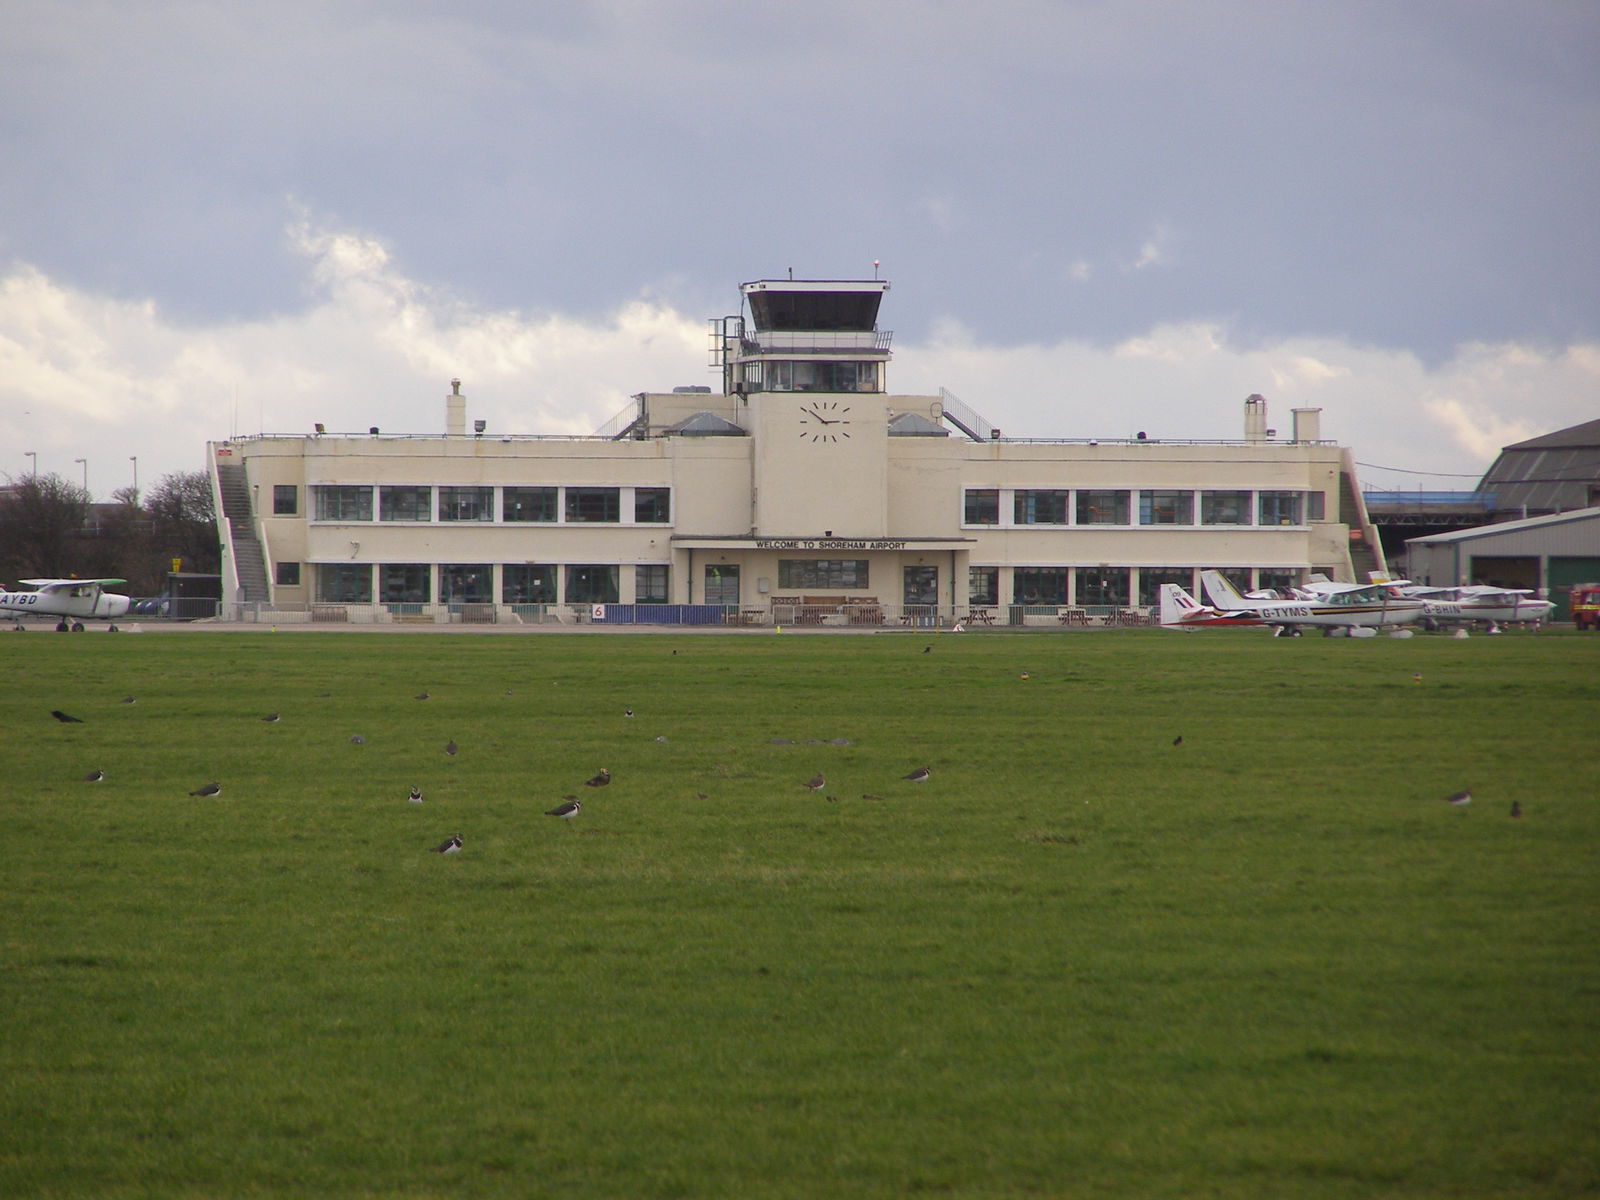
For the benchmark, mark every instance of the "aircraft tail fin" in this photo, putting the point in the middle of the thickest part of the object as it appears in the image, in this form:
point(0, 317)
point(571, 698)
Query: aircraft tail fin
point(1176, 604)
point(1220, 592)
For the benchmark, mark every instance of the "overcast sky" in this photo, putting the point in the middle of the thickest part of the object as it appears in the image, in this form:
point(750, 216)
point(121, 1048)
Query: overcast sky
point(1097, 217)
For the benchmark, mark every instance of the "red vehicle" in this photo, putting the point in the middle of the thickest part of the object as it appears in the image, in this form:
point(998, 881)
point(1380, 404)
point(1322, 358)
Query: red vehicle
point(1585, 605)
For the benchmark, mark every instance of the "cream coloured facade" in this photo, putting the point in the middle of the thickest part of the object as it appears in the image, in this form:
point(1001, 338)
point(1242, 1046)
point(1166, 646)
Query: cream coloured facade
point(802, 490)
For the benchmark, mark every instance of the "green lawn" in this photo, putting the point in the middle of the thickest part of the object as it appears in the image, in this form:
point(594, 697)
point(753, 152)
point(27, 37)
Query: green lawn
point(1078, 961)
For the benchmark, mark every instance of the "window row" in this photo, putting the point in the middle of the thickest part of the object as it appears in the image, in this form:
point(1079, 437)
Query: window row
point(475, 583)
point(511, 505)
point(1117, 506)
point(1105, 585)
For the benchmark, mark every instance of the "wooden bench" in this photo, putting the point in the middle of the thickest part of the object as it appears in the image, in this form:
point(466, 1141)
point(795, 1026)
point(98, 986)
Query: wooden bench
point(856, 610)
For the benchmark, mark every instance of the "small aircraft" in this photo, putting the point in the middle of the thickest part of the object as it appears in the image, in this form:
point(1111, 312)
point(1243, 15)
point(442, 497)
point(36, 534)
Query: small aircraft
point(1356, 608)
point(69, 599)
point(1180, 610)
point(1493, 606)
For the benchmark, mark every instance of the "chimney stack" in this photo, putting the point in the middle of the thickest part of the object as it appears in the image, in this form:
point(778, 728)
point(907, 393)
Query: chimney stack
point(455, 411)
point(1255, 418)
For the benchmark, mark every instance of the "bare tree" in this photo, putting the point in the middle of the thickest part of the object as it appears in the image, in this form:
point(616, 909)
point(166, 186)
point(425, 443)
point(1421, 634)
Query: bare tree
point(40, 516)
point(184, 520)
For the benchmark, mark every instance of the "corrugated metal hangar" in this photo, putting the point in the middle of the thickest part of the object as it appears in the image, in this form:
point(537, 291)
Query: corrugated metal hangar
point(1548, 554)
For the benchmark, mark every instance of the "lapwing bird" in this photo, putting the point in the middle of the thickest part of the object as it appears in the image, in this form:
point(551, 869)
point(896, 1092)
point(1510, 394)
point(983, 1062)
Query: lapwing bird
point(449, 845)
point(210, 789)
point(927, 649)
point(422, 695)
point(1516, 810)
point(271, 718)
point(566, 810)
point(602, 778)
point(65, 718)
point(416, 796)
point(627, 712)
point(1460, 799)
point(816, 783)
point(1178, 741)
point(920, 775)
point(1416, 677)
point(98, 776)
point(450, 748)
point(127, 699)
point(357, 740)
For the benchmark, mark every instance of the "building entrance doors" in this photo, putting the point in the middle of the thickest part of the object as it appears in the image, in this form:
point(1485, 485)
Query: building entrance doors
point(722, 584)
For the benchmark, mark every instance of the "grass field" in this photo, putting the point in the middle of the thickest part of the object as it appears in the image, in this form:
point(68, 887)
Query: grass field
point(1079, 960)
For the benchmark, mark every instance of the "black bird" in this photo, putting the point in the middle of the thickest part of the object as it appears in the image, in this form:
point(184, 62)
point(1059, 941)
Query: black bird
point(271, 718)
point(1178, 741)
point(566, 810)
point(416, 796)
point(816, 782)
point(602, 778)
point(210, 789)
point(1460, 799)
point(357, 740)
point(627, 712)
point(422, 695)
point(450, 748)
point(127, 699)
point(65, 718)
point(1516, 809)
point(449, 845)
point(97, 776)
point(920, 775)
point(927, 649)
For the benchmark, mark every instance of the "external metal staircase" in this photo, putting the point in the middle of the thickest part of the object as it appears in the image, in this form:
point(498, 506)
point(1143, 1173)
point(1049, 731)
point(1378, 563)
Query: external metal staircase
point(249, 561)
point(1366, 551)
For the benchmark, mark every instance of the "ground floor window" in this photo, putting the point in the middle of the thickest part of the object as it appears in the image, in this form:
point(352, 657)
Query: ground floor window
point(288, 574)
point(1039, 585)
point(527, 583)
point(466, 583)
point(344, 583)
point(822, 573)
point(404, 583)
point(591, 583)
point(1238, 576)
point(1102, 585)
point(983, 585)
point(1151, 579)
point(650, 583)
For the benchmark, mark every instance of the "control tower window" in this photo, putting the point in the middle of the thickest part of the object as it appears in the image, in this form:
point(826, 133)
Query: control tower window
point(805, 376)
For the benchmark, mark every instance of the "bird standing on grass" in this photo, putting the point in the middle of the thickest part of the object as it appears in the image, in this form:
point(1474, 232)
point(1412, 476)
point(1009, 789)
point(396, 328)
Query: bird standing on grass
point(920, 775)
point(601, 778)
point(271, 718)
point(1459, 799)
point(210, 789)
point(416, 796)
point(97, 776)
point(449, 845)
point(1178, 741)
point(450, 748)
point(65, 718)
point(422, 695)
point(357, 740)
point(816, 783)
point(1516, 810)
point(566, 810)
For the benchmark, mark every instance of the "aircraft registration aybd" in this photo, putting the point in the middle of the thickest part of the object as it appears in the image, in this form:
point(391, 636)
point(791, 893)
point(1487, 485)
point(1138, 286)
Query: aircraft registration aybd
point(77, 599)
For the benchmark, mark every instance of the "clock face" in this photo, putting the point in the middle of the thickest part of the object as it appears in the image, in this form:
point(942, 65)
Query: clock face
point(824, 421)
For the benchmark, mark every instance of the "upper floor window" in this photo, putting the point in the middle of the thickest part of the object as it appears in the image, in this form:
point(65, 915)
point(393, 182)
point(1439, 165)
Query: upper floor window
point(528, 504)
point(1224, 508)
point(343, 502)
point(466, 504)
point(1280, 508)
point(285, 499)
point(1036, 506)
point(594, 504)
point(405, 503)
point(1102, 508)
point(1166, 508)
point(652, 505)
point(981, 507)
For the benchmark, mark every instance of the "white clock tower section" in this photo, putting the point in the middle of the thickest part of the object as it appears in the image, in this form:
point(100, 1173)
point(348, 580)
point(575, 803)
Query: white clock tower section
point(808, 364)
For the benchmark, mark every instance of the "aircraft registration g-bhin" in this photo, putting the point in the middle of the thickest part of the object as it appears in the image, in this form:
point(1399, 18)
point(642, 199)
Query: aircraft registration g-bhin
point(80, 599)
point(1493, 606)
point(1359, 609)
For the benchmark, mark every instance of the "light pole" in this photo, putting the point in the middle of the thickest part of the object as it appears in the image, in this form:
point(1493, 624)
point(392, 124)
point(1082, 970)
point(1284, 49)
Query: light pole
point(134, 459)
point(33, 454)
point(85, 463)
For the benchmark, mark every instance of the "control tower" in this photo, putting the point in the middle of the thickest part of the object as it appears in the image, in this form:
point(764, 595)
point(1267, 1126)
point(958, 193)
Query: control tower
point(804, 335)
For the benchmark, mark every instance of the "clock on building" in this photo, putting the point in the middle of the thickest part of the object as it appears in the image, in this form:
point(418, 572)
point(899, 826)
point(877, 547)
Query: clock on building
point(824, 421)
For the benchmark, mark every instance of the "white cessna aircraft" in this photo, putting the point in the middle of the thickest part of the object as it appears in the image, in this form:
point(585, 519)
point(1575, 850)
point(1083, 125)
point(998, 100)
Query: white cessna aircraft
point(1493, 606)
point(69, 599)
point(1357, 608)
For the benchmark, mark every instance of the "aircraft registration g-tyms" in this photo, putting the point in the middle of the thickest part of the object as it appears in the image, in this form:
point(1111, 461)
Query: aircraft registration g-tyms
point(68, 599)
point(1356, 609)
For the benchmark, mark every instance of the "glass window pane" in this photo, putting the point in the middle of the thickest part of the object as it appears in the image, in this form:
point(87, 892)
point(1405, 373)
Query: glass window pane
point(288, 574)
point(344, 583)
point(285, 499)
point(528, 504)
point(527, 583)
point(594, 504)
point(1166, 508)
point(1103, 508)
point(342, 502)
point(1102, 585)
point(592, 583)
point(466, 504)
point(921, 585)
point(1225, 508)
point(817, 573)
point(982, 506)
point(650, 583)
point(983, 585)
point(466, 583)
point(403, 583)
point(1039, 585)
point(1039, 506)
point(652, 505)
point(406, 503)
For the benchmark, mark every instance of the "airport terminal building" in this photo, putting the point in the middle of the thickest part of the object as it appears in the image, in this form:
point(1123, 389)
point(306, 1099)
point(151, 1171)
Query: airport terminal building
point(803, 491)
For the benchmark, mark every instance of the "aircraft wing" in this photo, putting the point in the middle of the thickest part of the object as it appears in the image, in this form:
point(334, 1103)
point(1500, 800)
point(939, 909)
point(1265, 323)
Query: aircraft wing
point(56, 585)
